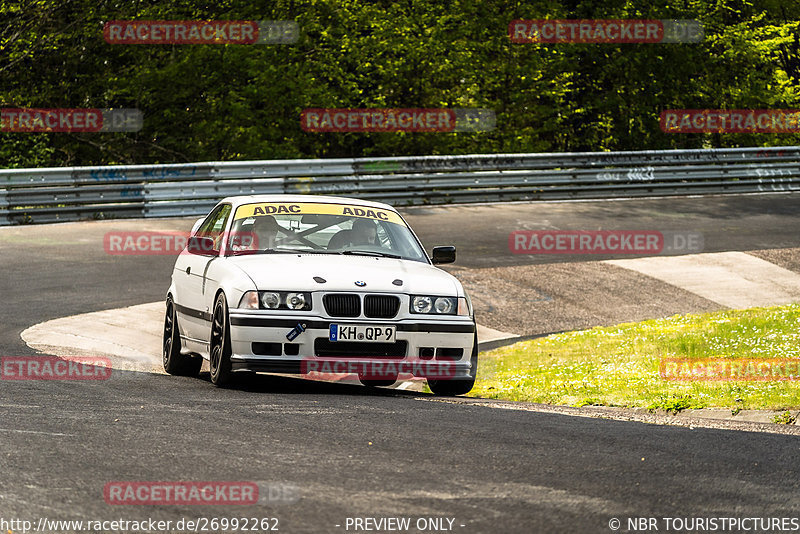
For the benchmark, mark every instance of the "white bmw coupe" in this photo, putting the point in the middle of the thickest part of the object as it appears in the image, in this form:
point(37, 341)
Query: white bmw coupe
point(312, 284)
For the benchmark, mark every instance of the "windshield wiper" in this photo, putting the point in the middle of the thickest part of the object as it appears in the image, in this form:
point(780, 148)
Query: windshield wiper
point(371, 253)
point(282, 251)
point(248, 252)
point(315, 251)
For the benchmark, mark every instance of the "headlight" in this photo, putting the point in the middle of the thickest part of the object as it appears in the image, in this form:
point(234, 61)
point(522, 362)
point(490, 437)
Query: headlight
point(421, 304)
point(296, 301)
point(443, 305)
point(271, 300)
point(276, 300)
point(439, 305)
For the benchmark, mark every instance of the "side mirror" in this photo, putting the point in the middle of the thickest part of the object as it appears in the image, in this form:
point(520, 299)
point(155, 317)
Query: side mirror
point(443, 255)
point(203, 246)
point(196, 225)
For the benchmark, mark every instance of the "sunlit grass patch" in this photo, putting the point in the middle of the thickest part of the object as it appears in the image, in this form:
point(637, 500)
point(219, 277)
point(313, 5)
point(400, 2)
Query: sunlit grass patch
point(619, 365)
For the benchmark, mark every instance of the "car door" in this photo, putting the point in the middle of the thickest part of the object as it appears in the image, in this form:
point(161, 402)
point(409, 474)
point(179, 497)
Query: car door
point(192, 304)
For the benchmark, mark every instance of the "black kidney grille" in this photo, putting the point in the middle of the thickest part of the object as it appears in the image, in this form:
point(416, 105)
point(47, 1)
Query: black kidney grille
point(381, 306)
point(342, 304)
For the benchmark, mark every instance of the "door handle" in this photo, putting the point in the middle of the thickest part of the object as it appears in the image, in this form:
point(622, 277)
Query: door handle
point(189, 270)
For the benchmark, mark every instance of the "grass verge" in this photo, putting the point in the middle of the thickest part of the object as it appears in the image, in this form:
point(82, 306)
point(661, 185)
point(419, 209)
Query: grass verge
point(619, 365)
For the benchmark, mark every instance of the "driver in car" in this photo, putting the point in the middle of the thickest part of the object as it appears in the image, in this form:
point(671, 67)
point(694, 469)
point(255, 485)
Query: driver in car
point(259, 235)
point(266, 230)
point(364, 232)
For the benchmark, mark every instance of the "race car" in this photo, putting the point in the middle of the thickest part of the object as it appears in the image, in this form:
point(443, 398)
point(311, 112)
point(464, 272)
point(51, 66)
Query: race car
point(308, 284)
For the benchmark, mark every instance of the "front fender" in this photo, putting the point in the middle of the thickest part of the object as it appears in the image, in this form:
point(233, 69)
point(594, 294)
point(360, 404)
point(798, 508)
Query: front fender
point(232, 280)
point(171, 290)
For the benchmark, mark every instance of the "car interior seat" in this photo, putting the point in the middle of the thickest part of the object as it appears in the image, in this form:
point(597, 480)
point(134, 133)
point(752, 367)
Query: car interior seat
point(340, 239)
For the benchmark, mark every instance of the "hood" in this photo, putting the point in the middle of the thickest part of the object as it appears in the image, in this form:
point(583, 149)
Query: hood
point(297, 272)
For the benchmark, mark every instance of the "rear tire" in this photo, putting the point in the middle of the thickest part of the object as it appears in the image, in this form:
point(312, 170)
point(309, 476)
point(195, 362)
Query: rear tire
point(458, 386)
point(174, 362)
point(220, 353)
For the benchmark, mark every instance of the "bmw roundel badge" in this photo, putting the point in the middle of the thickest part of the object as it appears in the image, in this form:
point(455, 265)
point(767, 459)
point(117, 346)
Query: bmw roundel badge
point(359, 283)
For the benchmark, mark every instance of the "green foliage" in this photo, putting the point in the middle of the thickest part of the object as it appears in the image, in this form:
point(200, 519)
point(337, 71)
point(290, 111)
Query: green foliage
point(622, 365)
point(785, 418)
point(233, 102)
point(674, 403)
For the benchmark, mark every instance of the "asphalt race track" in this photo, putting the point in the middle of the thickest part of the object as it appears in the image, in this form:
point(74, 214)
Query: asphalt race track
point(349, 452)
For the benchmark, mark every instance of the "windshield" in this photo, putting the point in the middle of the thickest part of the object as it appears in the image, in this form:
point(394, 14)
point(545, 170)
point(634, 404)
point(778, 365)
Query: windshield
point(321, 228)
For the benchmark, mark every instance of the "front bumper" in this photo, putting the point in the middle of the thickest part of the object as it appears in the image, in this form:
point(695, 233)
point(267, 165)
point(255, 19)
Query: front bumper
point(430, 347)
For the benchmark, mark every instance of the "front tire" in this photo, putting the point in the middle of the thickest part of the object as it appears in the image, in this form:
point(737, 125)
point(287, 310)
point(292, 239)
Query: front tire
point(220, 353)
point(458, 386)
point(174, 362)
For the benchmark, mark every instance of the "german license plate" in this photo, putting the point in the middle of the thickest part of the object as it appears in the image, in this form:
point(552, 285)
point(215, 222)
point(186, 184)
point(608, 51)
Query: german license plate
point(363, 333)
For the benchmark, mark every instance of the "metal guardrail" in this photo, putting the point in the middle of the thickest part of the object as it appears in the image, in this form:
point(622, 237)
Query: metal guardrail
point(74, 193)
